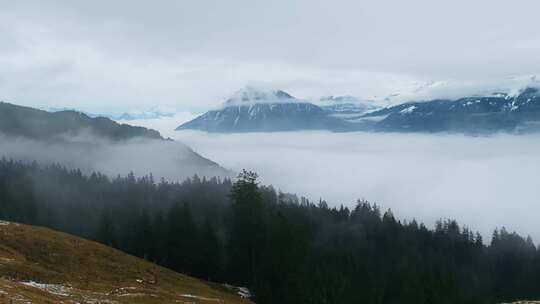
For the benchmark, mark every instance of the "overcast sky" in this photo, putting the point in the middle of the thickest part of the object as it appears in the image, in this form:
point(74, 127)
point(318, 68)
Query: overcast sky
point(190, 55)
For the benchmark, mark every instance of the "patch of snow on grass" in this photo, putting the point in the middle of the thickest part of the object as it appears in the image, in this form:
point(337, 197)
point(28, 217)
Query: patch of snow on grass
point(138, 294)
point(55, 289)
point(244, 292)
point(190, 296)
point(6, 260)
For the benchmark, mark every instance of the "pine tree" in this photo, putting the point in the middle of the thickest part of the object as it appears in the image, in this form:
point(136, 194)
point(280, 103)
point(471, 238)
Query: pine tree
point(211, 253)
point(106, 233)
point(246, 233)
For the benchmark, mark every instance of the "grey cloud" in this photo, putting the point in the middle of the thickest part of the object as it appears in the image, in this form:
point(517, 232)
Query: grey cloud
point(191, 54)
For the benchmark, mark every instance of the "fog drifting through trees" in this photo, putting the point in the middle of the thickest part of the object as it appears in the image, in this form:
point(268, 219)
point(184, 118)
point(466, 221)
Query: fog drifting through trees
point(171, 160)
point(485, 182)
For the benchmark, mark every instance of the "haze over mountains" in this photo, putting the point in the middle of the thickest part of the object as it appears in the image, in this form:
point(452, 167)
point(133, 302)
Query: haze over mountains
point(252, 110)
point(154, 112)
point(345, 105)
point(77, 140)
point(37, 124)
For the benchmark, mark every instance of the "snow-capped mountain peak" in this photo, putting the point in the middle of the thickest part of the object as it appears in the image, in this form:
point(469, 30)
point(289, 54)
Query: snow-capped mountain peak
point(252, 95)
point(256, 110)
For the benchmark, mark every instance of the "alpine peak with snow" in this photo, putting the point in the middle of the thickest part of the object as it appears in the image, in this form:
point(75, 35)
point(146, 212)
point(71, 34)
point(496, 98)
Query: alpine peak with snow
point(256, 110)
point(515, 112)
point(251, 110)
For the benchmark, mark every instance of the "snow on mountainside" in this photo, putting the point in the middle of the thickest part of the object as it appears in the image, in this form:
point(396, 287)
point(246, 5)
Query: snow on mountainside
point(339, 106)
point(476, 114)
point(253, 110)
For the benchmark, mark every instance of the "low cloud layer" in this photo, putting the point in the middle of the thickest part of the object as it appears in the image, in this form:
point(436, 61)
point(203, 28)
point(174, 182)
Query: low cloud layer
point(165, 125)
point(483, 182)
point(171, 160)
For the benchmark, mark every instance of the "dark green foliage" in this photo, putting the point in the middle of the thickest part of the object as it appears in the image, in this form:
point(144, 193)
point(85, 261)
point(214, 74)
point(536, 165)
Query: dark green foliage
point(287, 250)
point(105, 232)
point(247, 229)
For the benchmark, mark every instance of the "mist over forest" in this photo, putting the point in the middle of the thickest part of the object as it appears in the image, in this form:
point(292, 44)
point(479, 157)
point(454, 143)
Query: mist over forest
point(486, 182)
point(164, 159)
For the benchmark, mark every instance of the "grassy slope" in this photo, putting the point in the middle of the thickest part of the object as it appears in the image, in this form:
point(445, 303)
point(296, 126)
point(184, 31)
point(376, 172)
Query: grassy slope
point(82, 271)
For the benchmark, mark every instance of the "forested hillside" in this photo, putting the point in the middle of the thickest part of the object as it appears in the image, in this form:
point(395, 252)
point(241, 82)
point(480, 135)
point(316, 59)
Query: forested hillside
point(96, 144)
point(32, 123)
point(287, 250)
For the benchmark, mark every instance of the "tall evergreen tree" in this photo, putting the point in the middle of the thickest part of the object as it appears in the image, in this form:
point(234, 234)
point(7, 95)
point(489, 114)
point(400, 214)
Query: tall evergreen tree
point(246, 235)
point(106, 233)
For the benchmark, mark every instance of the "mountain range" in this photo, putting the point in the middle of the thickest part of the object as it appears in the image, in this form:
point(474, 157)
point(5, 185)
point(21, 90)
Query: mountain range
point(499, 112)
point(152, 113)
point(252, 110)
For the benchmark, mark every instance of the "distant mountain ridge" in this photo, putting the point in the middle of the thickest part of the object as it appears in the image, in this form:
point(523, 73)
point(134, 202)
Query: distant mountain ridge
point(155, 112)
point(28, 122)
point(152, 113)
point(471, 115)
point(78, 140)
point(271, 111)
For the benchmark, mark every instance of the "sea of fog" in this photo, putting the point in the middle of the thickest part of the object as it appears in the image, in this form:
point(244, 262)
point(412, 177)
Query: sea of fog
point(483, 182)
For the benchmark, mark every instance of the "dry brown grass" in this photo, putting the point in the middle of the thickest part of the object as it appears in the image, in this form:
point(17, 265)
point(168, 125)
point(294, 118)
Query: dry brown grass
point(81, 271)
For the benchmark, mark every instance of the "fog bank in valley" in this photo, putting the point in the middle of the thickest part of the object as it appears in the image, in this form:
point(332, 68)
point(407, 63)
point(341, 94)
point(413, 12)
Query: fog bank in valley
point(483, 182)
point(168, 159)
